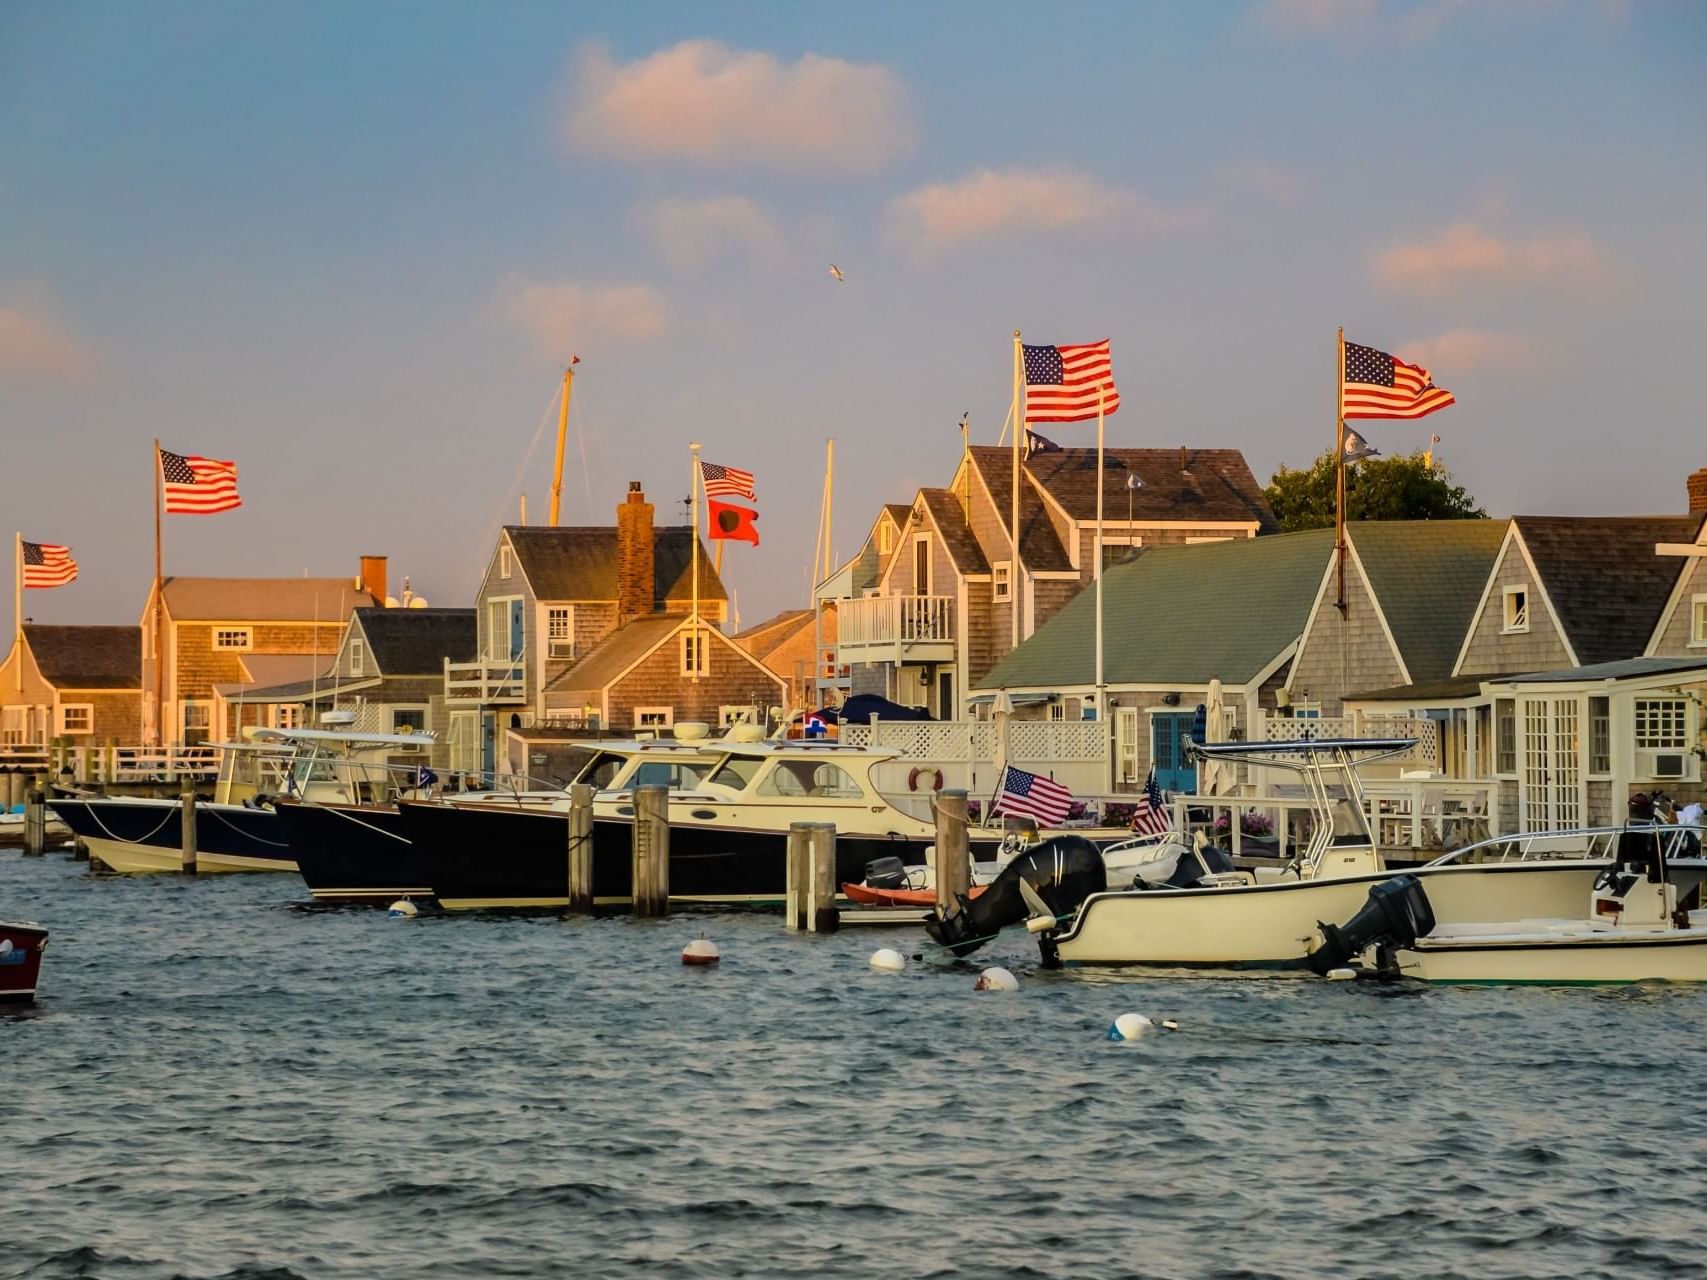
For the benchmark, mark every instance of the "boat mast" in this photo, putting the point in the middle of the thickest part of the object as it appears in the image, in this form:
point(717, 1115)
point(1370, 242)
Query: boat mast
point(562, 436)
point(159, 613)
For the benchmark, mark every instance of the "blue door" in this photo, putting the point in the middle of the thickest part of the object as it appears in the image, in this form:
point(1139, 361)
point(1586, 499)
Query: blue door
point(515, 628)
point(1168, 734)
point(489, 744)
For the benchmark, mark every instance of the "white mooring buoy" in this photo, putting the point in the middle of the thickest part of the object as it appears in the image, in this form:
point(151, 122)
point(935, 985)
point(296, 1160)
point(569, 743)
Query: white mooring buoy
point(888, 960)
point(1340, 975)
point(1129, 1026)
point(996, 978)
point(402, 909)
point(701, 951)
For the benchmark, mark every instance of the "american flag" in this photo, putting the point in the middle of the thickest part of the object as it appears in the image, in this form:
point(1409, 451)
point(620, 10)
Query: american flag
point(1379, 386)
point(46, 565)
point(1030, 795)
point(1061, 383)
point(727, 482)
point(1150, 816)
point(198, 486)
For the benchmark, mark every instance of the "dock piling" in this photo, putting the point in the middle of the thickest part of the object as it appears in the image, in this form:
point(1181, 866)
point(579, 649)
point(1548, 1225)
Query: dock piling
point(953, 852)
point(798, 875)
point(581, 847)
point(35, 818)
point(822, 915)
point(187, 823)
point(651, 851)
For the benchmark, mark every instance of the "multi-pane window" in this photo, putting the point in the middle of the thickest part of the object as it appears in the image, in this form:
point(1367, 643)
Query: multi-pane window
point(232, 637)
point(1662, 723)
point(409, 720)
point(357, 657)
point(560, 631)
point(694, 652)
point(287, 715)
point(1001, 579)
point(653, 717)
point(76, 717)
point(1516, 609)
point(1505, 735)
point(1600, 735)
point(1698, 620)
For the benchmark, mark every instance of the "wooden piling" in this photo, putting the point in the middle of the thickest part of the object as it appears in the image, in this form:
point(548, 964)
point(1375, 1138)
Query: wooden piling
point(798, 875)
point(953, 852)
point(822, 913)
point(581, 846)
point(187, 822)
point(651, 851)
point(35, 819)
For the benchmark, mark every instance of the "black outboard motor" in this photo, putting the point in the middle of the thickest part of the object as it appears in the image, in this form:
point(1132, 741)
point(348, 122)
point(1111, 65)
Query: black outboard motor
point(886, 873)
point(1396, 915)
point(1063, 872)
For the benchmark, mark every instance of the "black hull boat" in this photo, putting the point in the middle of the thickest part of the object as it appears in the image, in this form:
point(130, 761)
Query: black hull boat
point(492, 858)
point(135, 836)
point(353, 852)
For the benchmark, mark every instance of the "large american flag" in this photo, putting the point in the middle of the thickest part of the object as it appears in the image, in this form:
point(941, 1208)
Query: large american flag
point(727, 482)
point(1378, 385)
point(1061, 383)
point(1150, 817)
point(198, 486)
point(1030, 795)
point(46, 565)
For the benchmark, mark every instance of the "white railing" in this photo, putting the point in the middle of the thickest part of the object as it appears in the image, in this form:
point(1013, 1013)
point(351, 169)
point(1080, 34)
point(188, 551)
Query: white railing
point(896, 621)
point(967, 752)
point(486, 681)
point(1426, 754)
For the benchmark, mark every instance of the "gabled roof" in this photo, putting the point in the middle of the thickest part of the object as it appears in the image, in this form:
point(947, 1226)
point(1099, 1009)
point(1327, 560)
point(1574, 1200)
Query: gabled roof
point(1180, 615)
point(898, 512)
point(1427, 577)
point(956, 534)
point(263, 599)
point(1215, 485)
point(621, 649)
point(578, 562)
point(416, 642)
point(1603, 578)
point(1039, 546)
point(75, 657)
point(773, 632)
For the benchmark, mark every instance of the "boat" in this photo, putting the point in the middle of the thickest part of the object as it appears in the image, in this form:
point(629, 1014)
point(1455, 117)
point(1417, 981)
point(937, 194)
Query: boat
point(866, 895)
point(239, 828)
point(1634, 931)
point(21, 945)
point(1205, 913)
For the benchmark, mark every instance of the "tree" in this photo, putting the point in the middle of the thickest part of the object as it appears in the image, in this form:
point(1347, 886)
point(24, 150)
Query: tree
point(1404, 487)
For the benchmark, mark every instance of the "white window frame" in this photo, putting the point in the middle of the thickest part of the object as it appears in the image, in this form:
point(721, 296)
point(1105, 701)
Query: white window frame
point(1698, 620)
point(654, 717)
point(1598, 735)
point(693, 647)
point(885, 538)
point(1001, 580)
point(184, 725)
point(425, 711)
point(1660, 723)
point(922, 588)
point(242, 639)
point(506, 561)
point(88, 710)
point(1514, 623)
point(14, 725)
point(358, 658)
point(287, 715)
point(560, 646)
point(1510, 706)
point(730, 714)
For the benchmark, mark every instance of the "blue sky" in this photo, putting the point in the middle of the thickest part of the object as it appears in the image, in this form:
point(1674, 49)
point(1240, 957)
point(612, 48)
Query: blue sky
point(351, 245)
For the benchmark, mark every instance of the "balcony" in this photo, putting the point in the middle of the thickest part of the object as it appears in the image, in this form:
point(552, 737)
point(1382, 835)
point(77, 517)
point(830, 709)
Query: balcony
point(485, 682)
point(896, 629)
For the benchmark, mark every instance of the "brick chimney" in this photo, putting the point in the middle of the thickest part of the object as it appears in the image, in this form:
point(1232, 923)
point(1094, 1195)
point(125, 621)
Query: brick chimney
point(633, 556)
point(372, 578)
point(1698, 492)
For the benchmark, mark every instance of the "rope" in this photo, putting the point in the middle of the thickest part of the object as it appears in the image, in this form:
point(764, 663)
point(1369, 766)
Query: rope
point(247, 835)
point(117, 839)
point(350, 817)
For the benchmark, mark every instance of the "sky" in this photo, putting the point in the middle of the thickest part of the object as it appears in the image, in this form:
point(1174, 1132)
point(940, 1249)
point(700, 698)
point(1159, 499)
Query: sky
point(352, 246)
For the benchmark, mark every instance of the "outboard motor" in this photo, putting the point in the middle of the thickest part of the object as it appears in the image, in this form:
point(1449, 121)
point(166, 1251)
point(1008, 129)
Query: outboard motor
point(886, 873)
point(1396, 915)
point(1061, 873)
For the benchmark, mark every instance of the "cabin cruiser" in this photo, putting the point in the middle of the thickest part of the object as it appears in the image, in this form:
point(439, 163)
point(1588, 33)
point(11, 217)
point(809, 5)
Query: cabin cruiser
point(239, 829)
point(1196, 909)
point(21, 945)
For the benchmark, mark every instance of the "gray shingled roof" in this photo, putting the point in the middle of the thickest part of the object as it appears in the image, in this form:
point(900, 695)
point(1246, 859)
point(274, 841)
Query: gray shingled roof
point(578, 562)
point(950, 522)
point(79, 657)
point(612, 656)
point(1180, 615)
point(1603, 577)
point(1215, 485)
point(773, 632)
point(1428, 576)
point(416, 642)
point(1039, 545)
point(1626, 669)
point(263, 599)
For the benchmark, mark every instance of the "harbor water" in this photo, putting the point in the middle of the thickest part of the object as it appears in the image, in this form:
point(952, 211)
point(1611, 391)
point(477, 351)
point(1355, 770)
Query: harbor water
point(217, 1082)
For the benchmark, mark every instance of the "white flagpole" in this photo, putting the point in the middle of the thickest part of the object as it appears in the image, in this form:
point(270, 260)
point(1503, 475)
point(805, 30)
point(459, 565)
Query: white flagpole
point(18, 644)
point(1101, 397)
point(1014, 575)
point(693, 558)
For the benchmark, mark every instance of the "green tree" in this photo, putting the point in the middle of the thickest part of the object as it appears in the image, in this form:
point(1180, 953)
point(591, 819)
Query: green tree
point(1403, 487)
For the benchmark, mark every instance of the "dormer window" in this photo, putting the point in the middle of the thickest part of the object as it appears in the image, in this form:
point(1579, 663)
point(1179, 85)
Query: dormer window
point(1515, 606)
point(504, 558)
point(356, 656)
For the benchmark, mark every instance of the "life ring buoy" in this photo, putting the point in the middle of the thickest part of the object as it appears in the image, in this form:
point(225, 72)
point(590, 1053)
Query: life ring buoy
point(921, 771)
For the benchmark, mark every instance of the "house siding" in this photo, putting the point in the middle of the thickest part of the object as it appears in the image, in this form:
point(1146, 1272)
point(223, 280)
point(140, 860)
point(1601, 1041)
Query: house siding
point(732, 680)
point(1343, 654)
point(1492, 652)
point(1674, 638)
point(1048, 596)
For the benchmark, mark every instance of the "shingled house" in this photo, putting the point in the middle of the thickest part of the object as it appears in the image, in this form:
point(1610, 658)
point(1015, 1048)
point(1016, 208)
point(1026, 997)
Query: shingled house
point(952, 596)
point(77, 682)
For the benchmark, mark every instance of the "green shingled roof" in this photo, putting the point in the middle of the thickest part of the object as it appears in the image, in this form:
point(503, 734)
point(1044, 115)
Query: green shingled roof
point(1428, 576)
point(1180, 615)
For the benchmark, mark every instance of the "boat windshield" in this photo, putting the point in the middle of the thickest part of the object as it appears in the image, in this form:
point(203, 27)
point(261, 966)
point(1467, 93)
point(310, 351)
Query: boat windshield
point(601, 768)
point(678, 775)
point(816, 778)
point(736, 773)
point(1348, 824)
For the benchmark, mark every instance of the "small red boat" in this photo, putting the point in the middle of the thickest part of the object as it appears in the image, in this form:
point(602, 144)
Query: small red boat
point(866, 896)
point(21, 946)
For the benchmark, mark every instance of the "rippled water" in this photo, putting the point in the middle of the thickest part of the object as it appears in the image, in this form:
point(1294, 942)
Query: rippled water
point(216, 1083)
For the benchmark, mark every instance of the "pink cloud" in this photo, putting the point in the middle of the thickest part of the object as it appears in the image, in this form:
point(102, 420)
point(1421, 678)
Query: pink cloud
point(1464, 254)
point(992, 202)
point(1460, 350)
point(704, 102)
point(32, 346)
point(562, 317)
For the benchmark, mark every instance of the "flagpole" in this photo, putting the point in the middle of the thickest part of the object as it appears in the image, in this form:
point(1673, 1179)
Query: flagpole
point(159, 613)
point(693, 558)
point(1339, 469)
point(829, 503)
point(1018, 413)
point(18, 643)
point(1101, 398)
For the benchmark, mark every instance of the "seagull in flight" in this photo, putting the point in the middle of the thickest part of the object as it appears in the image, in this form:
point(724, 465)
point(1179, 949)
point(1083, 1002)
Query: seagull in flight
point(836, 272)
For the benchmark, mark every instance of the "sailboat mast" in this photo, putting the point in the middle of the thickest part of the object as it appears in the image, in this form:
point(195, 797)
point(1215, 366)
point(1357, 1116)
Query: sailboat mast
point(562, 436)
